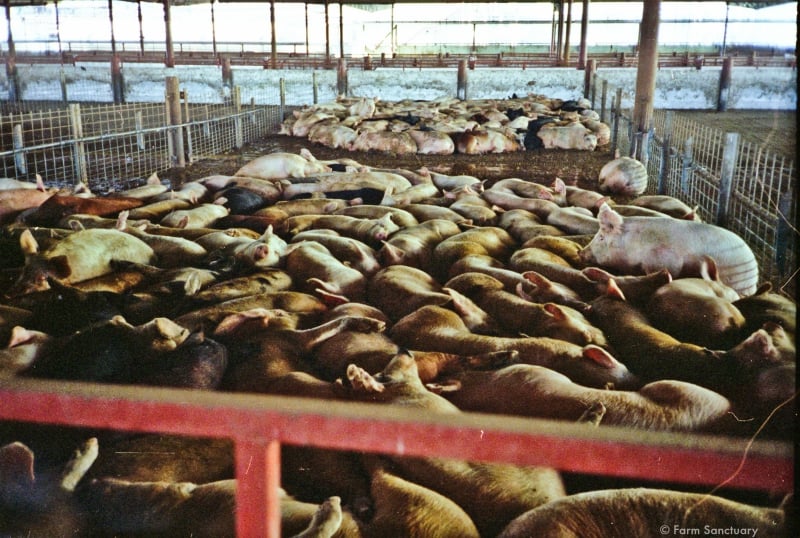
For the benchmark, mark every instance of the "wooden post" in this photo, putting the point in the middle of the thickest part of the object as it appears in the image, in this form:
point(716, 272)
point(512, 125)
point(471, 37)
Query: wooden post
point(560, 38)
point(327, 34)
point(604, 98)
point(78, 150)
point(615, 123)
point(729, 154)
point(14, 93)
point(565, 57)
point(227, 73)
point(341, 77)
point(588, 75)
point(169, 61)
point(213, 31)
point(646, 70)
point(314, 87)
point(141, 27)
point(341, 30)
point(187, 119)
point(582, 55)
point(117, 81)
point(273, 59)
point(173, 102)
point(461, 83)
point(724, 84)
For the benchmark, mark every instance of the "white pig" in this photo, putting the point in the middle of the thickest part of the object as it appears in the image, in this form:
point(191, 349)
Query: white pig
point(649, 244)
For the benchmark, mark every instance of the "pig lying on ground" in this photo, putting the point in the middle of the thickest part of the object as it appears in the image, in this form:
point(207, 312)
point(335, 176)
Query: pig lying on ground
point(644, 512)
point(535, 391)
point(648, 244)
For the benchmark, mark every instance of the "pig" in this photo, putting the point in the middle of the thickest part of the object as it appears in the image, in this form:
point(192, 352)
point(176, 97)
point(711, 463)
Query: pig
point(170, 251)
point(281, 165)
point(668, 205)
point(398, 290)
point(78, 257)
point(397, 143)
point(403, 508)
point(766, 305)
point(262, 281)
point(536, 391)
point(51, 211)
point(520, 223)
point(648, 244)
point(623, 175)
point(14, 201)
point(430, 142)
point(400, 216)
point(417, 193)
point(352, 252)
point(491, 494)
point(518, 316)
point(573, 135)
point(472, 206)
point(513, 193)
point(585, 198)
point(316, 270)
point(36, 503)
point(423, 212)
point(573, 220)
point(201, 216)
point(644, 512)
point(368, 231)
point(477, 141)
point(413, 245)
point(433, 328)
point(155, 211)
point(553, 267)
point(332, 135)
point(697, 310)
point(488, 240)
point(600, 129)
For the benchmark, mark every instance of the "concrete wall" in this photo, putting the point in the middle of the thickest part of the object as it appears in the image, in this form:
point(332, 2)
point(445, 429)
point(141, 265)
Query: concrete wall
point(676, 88)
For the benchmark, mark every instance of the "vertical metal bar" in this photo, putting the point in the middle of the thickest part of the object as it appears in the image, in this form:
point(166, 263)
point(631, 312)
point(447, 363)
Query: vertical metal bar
point(724, 84)
point(783, 231)
point(236, 94)
point(14, 93)
point(604, 98)
point(79, 152)
point(169, 60)
point(664, 170)
point(461, 82)
point(141, 26)
point(729, 154)
point(687, 164)
point(213, 31)
point(257, 482)
point(63, 81)
point(140, 143)
point(617, 115)
point(314, 87)
point(173, 100)
point(19, 143)
point(594, 91)
point(591, 67)
point(187, 120)
point(341, 77)
point(273, 39)
point(282, 88)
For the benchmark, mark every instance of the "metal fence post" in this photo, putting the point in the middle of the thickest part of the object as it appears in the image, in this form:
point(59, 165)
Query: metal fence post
point(18, 141)
point(461, 80)
point(173, 103)
point(138, 121)
point(615, 122)
point(604, 97)
point(341, 77)
point(783, 230)
point(282, 88)
point(78, 152)
point(236, 95)
point(187, 119)
point(63, 80)
point(314, 86)
point(729, 154)
point(686, 164)
point(664, 169)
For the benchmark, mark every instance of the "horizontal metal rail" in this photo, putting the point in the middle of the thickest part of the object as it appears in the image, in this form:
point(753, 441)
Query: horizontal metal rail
point(258, 424)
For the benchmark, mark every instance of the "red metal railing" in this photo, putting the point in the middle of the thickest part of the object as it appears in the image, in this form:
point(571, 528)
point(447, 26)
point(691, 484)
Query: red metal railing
point(259, 424)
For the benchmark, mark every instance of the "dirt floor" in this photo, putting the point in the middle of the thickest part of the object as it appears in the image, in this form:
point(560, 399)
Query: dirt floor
point(776, 129)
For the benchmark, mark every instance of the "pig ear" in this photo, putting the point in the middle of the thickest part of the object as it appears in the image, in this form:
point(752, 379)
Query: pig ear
point(306, 154)
point(449, 385)
point(708, 268)
point(16, 465)
point(595, 274)
point(555, 311)
point(28, 243)
point(59, 266)
point(610, 220)
point(600, 356)
point(559, 186)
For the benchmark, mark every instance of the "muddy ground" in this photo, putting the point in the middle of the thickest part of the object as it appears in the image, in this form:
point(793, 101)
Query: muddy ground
point(776, 130)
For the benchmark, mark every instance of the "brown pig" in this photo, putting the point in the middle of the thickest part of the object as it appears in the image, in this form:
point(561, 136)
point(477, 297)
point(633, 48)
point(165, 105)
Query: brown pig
point(644, 512)
point(434, 328)
point(518, 316)
point(315, 269)
point(398, 290)
point(535, 391)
